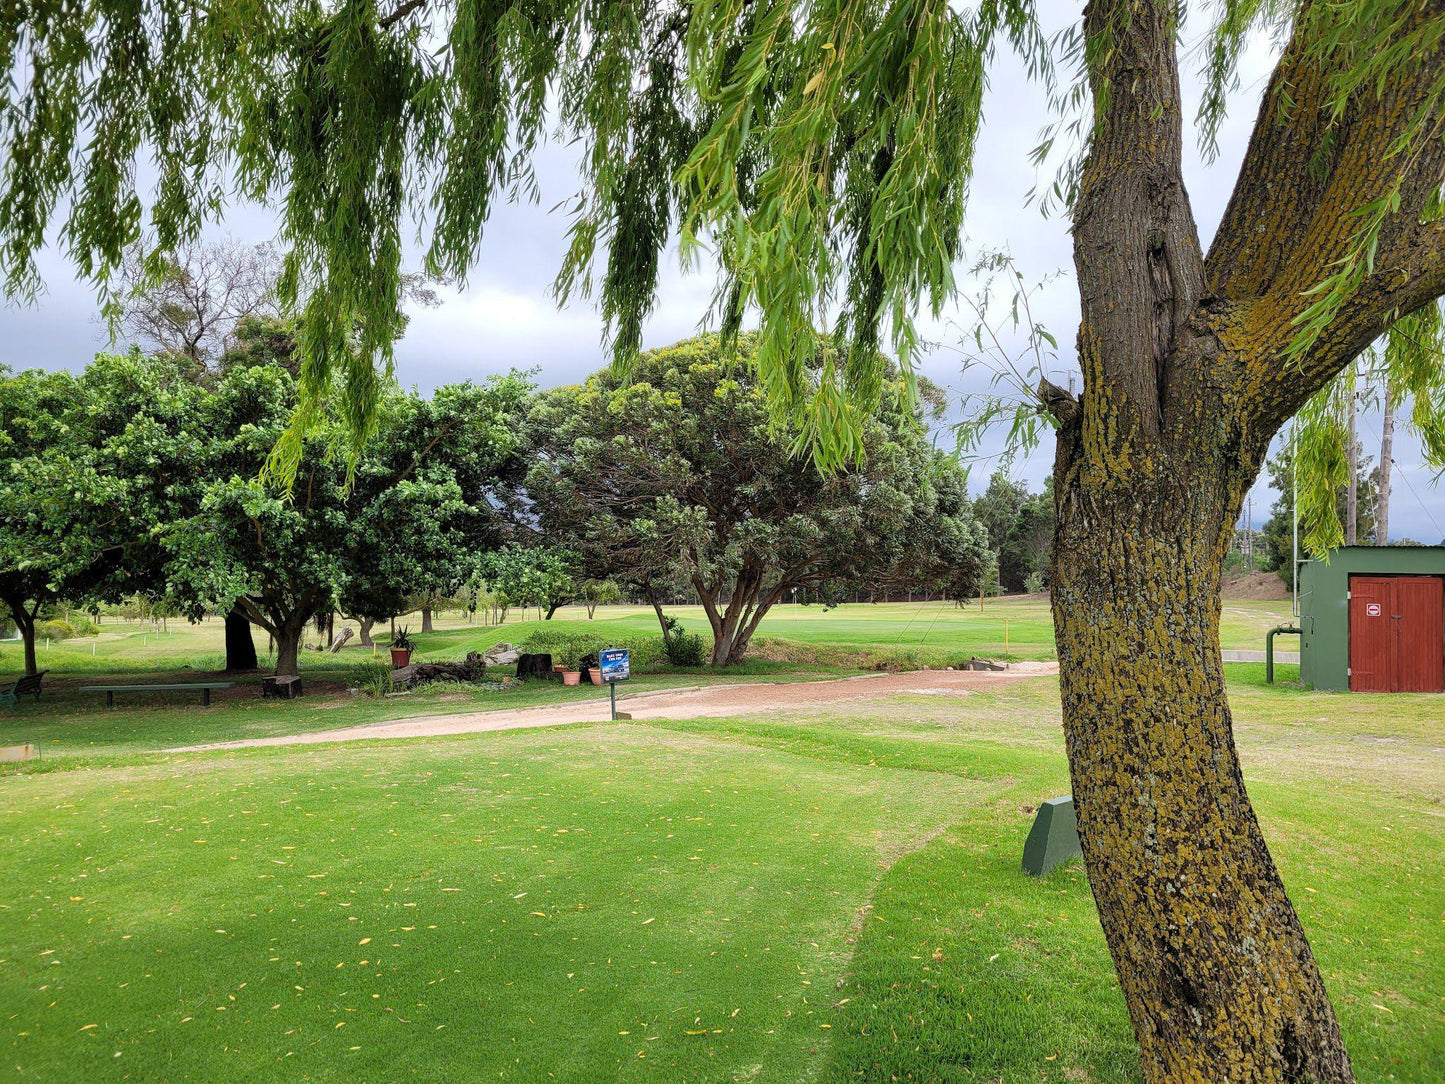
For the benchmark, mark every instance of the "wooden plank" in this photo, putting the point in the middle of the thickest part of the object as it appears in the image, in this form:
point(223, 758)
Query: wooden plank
point(154, 688)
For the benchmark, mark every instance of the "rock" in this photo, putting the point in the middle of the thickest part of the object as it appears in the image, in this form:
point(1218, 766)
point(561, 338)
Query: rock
point(503, 654)
point(983, 664)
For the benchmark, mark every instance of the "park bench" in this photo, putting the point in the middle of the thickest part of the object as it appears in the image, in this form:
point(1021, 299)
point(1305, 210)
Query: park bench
point(111, 690)
point(28, 685)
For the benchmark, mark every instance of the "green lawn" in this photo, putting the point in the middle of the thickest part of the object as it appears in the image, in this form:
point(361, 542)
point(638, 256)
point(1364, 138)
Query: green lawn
point(932, 632)
point(794, 897)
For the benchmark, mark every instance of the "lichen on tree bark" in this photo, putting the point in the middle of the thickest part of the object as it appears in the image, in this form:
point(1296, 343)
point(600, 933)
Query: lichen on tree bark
point(1187, 376)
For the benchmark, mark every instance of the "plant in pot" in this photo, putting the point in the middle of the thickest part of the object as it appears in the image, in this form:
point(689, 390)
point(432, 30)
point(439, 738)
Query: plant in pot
point(401, 649)
point(566, 665)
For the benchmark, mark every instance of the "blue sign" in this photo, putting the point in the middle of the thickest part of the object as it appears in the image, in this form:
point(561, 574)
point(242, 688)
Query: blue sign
point(615, 664)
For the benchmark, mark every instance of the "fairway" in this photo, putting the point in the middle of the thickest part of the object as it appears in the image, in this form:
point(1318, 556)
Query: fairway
point(809, 896)
point(935, 632)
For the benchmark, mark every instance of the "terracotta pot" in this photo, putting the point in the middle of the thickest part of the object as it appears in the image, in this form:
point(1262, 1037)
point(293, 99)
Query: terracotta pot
point(571, 677)
point(595, 674)
point(400, 656)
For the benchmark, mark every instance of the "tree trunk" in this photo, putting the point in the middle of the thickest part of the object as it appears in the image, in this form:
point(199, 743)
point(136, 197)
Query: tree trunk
point(1215, 969)
point(364, 626)
point(723, 643)
point(1387, 451)
point(288, 646)
point(661, 617)
point(426, 625)
point(734, 624)
point(1352, 464)
point(240, 647)
point(25, 622)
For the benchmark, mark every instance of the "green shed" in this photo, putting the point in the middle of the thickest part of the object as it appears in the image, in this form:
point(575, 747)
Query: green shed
point(1372, 619)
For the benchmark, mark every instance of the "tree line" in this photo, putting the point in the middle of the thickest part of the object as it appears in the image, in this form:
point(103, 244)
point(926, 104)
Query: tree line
point(146, 476)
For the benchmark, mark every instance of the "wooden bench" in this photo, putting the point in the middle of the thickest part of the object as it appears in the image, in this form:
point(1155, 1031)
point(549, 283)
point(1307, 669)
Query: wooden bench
point(111, 690)
point(28, 685)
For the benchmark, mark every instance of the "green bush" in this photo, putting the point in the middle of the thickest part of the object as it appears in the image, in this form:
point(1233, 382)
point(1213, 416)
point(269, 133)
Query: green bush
point(686, 649)
point(54, 629)
point(568, 647)
point(84, 626)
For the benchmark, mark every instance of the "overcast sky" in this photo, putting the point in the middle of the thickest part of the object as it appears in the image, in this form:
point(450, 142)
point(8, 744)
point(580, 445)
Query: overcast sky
point(505, 318)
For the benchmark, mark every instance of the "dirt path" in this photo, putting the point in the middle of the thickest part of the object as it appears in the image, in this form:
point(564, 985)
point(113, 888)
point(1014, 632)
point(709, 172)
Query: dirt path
point(688, 703)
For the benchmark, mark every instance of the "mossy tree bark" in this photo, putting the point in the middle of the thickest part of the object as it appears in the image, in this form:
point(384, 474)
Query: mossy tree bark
point(1185, 383)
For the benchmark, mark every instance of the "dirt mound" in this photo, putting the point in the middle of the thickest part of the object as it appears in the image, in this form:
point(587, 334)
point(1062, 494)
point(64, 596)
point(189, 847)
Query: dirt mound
point(1256, 586)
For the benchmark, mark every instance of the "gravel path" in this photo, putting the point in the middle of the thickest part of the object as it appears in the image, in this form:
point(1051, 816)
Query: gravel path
point(693, 702)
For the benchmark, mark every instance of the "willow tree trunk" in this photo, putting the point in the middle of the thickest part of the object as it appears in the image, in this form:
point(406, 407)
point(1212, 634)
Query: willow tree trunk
point(1215, 968)
point(1191, 364)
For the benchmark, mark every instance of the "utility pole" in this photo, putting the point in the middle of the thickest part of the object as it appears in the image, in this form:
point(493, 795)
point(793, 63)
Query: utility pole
point(1387, 451)
point(1249, 532)
point(1352, 458)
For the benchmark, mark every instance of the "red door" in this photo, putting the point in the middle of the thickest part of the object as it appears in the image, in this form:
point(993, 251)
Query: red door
point(1397, 634)
point(1372, 664)
point(1419, 621)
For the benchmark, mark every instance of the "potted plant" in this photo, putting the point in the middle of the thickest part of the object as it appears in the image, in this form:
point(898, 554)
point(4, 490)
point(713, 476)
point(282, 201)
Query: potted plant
point(401, 649)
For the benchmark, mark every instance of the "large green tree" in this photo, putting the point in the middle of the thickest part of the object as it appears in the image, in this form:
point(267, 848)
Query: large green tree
point(678, 466)
point(91, 468)
point(410, 514)
point(823, 149)
point(423, 500)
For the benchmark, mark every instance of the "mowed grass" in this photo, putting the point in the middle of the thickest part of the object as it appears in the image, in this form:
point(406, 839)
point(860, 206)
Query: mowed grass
point(590, 904)
point(930, 632)
point(829, 897)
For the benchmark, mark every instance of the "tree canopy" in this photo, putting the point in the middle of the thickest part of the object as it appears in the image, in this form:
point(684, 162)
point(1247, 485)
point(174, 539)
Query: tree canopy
point(92, 467)
point(825, 148)
point(676, 471)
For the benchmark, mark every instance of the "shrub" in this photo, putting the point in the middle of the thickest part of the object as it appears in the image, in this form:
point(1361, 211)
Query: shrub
point(84, 626)
point(686, 649)
point(1034, 583)
point(54, 629)
point(567, 647)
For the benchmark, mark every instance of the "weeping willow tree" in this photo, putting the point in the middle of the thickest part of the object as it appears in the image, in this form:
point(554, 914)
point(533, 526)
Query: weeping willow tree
point(821, 151)
point(1405, 368)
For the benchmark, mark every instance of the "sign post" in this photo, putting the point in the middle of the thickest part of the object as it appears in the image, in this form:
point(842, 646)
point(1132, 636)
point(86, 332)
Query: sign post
point(615, 664)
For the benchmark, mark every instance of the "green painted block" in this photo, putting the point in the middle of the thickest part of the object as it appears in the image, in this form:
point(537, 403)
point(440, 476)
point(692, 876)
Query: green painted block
point(1054, 837)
